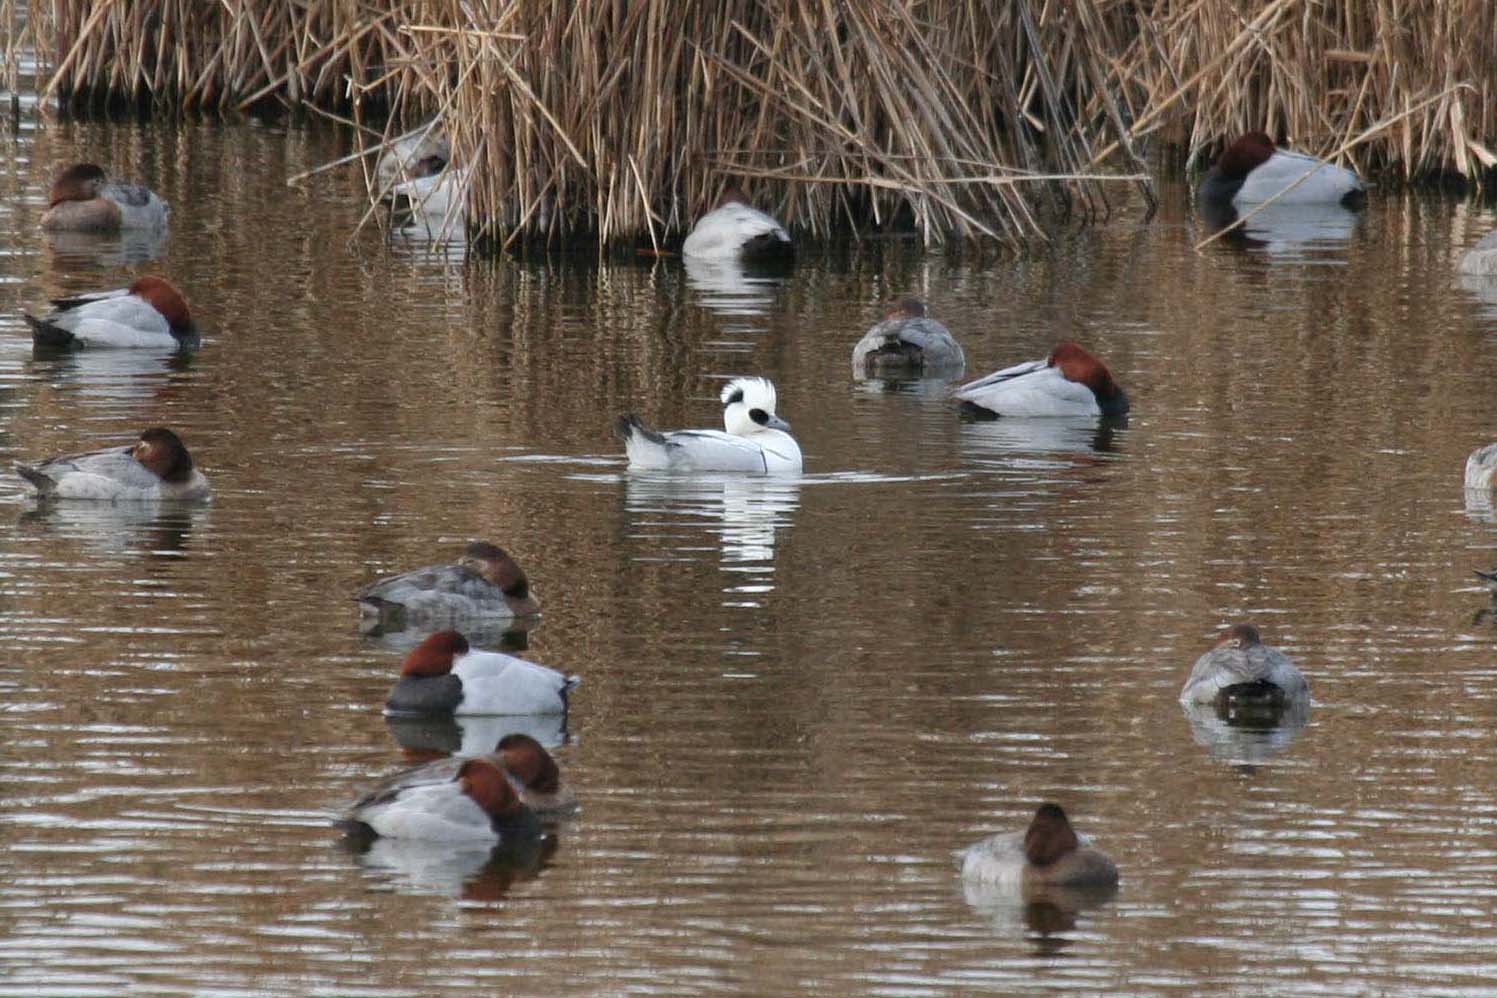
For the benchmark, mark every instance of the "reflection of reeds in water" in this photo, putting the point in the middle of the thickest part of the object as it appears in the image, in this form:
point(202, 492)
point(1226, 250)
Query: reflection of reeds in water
point(620, 122)
point(590, 118)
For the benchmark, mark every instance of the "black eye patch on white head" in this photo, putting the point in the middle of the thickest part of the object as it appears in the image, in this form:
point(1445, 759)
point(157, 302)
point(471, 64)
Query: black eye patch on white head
point(759, 416)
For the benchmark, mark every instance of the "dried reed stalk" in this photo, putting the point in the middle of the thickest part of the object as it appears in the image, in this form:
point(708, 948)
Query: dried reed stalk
point(592, 118)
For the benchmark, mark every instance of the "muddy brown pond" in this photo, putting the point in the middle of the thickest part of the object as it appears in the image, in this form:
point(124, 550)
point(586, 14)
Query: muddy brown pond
point(799, 695)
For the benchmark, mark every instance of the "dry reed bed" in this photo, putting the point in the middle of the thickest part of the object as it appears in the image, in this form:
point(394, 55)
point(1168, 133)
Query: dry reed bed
point(621, 120)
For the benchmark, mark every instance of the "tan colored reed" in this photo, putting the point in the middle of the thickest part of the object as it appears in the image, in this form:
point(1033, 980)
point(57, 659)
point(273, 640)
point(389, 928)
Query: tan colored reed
point(621, 121)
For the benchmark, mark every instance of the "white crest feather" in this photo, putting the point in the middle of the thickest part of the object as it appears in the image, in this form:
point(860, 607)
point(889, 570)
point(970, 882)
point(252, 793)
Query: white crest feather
point(758, 393)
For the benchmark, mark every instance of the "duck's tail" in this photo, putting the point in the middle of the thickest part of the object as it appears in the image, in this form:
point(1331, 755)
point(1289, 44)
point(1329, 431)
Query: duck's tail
point(38, 478)
point(45, 334)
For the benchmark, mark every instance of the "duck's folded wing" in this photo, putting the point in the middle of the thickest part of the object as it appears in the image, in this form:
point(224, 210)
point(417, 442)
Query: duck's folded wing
point(134, 195)
point(108, 318)
point(1000, 377)
point(63, 304)
point(439, 771)
point(114, 464)
point(451, 578)
point(1038, 391)
point(1326, 181)
point(714, 450)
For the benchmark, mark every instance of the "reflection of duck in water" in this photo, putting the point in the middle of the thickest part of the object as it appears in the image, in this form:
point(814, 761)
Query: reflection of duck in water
point(157, 529)
point(1247, 681)
point(471, 871)
point(906, 345)
point(1489, 611)
point(735, 287)
point(744, 512)
point(1285, 230)
point(431, 736)
point(1243, 737)
point(1481, 259)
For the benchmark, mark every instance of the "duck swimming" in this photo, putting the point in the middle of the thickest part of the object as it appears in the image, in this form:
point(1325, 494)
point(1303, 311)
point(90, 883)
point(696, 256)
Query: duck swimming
point(753, 438)
point(83, 200)
point(907, 344)
point(1069, 382)
point(442, 675)
point(157, 466)
point(1241, 667)
point(476, 804)
point(531, 770)
point(735, 228)
point(1046, 854)
point(485, 584)
point(150, 314)
point(1252, 170)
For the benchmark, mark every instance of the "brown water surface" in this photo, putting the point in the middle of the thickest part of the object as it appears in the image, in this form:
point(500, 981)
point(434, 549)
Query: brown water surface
point(799, 696)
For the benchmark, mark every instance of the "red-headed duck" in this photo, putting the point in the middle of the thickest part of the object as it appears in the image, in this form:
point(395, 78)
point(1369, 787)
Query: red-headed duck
point(83, 199)
point(531, 769)
point(753, 438)
point(157, 466)
point(485, 584)
point(1241, 667)
point(736, 229)
point(1252, 170)
point(1069, 382)
point(150, 314)
point(442, 675)
point(478, 804)
point(1046, 854)
point(907, 344)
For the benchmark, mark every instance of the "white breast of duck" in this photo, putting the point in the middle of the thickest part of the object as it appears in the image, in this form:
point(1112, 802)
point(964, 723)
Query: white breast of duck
point(753, 439)
point(150, 314)
point(1241, 663)
point(1252, 170)
point(82, 199)
point(735, 228)
point(442, 675)
point(1069, 382)
point(907, 344)
point(1047, 853)
point(476, 804)
point(155, 467)
point(486, 585)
